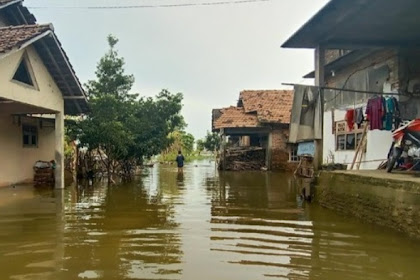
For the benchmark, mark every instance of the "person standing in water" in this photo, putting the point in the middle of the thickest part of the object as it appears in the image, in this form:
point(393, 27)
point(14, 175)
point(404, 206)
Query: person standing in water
point(180, 162)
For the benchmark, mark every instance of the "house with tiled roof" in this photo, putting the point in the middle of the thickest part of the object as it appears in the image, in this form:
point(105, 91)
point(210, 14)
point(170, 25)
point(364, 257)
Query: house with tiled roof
point(260, 119)
point(38, 86)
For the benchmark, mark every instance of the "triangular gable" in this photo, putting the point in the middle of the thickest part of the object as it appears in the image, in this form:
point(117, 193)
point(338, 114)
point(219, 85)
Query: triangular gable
point(24, 73)
point(46, 44)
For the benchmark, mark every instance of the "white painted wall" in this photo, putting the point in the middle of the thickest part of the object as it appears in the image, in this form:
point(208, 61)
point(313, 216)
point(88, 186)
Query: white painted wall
point(378, 144)
point(47, 95)
point(16, 162)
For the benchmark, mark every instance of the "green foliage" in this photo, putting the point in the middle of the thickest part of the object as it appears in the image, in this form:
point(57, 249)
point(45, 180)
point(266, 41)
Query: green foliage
point(181, 141)
point(188, 143)
point(126, 129)
point(200, 146)
point(211, 141)
point(111, 79)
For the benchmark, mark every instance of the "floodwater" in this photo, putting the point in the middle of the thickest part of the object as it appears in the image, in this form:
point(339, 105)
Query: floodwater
point(202, 225)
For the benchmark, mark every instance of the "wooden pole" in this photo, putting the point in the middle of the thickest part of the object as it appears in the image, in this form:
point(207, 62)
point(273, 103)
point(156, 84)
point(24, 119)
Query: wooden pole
point(359, 147)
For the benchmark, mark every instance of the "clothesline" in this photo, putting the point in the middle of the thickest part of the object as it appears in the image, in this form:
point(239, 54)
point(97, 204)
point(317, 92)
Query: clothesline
point(349, 90)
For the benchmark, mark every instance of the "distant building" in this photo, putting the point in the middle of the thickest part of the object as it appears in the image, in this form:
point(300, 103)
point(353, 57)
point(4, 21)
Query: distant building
point(38, 86)
point(260, 119)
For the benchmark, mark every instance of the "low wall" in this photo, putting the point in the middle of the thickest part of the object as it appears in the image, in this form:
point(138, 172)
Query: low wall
point(380, 199)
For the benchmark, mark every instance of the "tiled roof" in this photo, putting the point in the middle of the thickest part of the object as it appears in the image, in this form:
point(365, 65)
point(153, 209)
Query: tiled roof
point(15, 36)
point(54, 58)
point(271, 106)
point(233, 117)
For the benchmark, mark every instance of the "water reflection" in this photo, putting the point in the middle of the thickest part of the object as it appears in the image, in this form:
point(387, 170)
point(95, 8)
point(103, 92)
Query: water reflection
point(201, 225)
point(126, 231)
point(256, 224)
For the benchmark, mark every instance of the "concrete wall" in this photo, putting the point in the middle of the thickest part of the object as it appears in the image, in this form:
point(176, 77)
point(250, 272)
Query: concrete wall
point(378, 144)
point(16, 161)
point(384, 201)
point(47, 95)
point(280, 150)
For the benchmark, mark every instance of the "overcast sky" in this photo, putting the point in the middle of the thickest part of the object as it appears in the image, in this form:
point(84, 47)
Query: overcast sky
point(209, 53)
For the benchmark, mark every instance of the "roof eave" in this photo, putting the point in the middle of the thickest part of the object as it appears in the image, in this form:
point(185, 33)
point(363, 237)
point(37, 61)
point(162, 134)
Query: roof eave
point(293, 41)
point(2, 6)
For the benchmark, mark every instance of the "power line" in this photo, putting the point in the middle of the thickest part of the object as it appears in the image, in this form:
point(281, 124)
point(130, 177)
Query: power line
point(220, 3)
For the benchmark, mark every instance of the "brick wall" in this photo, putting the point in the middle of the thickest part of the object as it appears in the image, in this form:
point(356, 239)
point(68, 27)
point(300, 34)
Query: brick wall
point(331, 55)
point(387, 202)
point(280, 150)
point(385, 57)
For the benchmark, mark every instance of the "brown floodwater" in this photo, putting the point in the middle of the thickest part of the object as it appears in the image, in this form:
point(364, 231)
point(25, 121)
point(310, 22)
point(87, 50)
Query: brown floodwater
point(202, 225)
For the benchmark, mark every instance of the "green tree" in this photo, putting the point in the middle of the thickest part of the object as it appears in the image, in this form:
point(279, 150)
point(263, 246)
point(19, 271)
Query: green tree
point(187, 140)
point(123, 128)
point(200, 146)
point(212, 141)
point(110, 76)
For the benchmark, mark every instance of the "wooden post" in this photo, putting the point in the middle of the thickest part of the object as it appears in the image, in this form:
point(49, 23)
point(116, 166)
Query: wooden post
point(269, 151)
point(359, 148)
point(320, 81)
point(223, 149)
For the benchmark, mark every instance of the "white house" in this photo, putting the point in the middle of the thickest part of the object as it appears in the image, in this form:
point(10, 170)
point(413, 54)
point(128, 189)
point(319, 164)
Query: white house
point(38, 86)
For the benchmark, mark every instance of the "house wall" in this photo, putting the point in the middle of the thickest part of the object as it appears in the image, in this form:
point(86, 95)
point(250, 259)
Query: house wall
point(16, 161)
point(334, 54)
point(47, 95)
point(280, 150)
point(378, 144)
point(368, 74)
point(399, 69)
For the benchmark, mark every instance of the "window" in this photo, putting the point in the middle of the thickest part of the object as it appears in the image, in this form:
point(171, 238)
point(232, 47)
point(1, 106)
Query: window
point(30, 136)
point(24, 73)
point(293, 153)
point(347, 140)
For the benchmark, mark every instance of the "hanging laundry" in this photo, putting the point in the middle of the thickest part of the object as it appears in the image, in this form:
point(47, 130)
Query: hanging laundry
point(375, 112)
point(397, 114)
point(396, 106)
point(383, 112)
point(359, 117)
point(389, 115)
point(349, 118)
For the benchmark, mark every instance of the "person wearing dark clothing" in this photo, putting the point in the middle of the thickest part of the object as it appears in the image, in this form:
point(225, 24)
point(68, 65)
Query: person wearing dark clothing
point(180, 162)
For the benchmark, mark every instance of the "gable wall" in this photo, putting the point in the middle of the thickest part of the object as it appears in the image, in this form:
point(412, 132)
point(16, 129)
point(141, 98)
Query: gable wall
point(47, 95)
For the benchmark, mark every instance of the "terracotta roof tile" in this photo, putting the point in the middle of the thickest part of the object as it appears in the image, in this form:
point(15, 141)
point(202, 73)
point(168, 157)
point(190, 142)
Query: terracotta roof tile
point(15, 36)
point(271, 106)
point(234, 117)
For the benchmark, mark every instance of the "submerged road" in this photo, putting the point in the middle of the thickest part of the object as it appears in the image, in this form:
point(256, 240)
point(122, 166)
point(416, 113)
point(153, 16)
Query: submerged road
point(199, 226)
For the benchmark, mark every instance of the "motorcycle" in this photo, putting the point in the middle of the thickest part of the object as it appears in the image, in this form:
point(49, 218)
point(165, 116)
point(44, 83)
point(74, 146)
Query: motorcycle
point(406, 139)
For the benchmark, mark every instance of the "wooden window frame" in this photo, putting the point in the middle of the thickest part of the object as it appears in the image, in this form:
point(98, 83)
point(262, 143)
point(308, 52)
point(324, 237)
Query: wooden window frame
point(30, 131)
point(342, 130)
point(293, 150)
